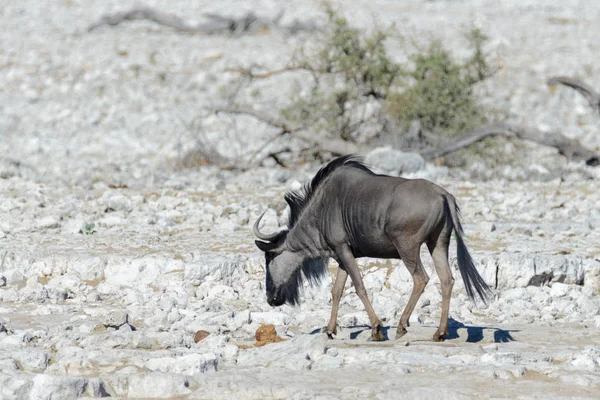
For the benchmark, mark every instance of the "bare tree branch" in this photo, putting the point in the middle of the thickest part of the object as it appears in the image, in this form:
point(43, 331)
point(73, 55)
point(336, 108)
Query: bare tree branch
point(329, 145)
point(572, 149)
point(249, 72)
point(284, 126)
point(337, 147)
point(586, 90)
point(249, 22)
point(204, 152)
point(467, 140)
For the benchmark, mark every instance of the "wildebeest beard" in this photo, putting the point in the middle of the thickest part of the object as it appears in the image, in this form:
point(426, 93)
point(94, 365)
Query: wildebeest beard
point(313, 269)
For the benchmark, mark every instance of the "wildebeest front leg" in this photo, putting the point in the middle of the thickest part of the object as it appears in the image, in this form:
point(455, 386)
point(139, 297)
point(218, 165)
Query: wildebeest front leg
point(336, 296)
point(349, 263)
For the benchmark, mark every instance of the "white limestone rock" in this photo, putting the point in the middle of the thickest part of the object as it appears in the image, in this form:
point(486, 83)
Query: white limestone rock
point(143, 271)
point(111, 220)
point(399, 280)
point(47, 386)
point(592, 276)
point(88, 268)
point(115, 318)
point(295, 354)
point(501, 358)
point(32, 360)
point(521, 270)
point(187, 364)
point(276, 318)
point(559, 290)
point(15, 386)
point(116, 202)
point(215, 265)
point(327, 362)
point(588, 359)
point(515, 294)
point(374, 281)
point(4, 326)
point(155, 385)
point(49, 222)
point(394, 162)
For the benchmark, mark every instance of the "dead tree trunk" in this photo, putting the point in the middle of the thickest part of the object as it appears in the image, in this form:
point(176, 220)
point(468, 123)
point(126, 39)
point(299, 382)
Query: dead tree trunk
point(249, 22)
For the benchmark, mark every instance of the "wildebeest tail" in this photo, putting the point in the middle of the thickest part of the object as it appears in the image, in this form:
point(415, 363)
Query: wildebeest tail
point(474, 283)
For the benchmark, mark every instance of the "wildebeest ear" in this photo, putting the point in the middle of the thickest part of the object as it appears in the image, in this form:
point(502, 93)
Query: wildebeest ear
point(265, 246)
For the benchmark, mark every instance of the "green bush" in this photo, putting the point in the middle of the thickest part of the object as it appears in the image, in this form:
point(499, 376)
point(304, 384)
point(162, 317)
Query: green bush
point(361, 60)
point(358, 62)
point(352, 69)
point(439, 93)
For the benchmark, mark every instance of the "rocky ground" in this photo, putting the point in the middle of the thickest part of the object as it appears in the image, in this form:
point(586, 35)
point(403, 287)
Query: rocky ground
point(112, 259)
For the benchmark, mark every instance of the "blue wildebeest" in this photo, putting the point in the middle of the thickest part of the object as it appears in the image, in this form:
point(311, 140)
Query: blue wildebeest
point(347, 211)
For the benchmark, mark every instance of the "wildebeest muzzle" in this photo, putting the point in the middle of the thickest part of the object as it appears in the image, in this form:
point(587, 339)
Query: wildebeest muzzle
point(274, 296)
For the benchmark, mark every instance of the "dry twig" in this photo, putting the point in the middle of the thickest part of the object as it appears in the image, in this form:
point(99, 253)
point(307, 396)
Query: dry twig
point(250, 72)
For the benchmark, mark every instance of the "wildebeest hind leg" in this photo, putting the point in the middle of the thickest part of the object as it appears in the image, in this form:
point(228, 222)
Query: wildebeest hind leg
point(349, 263)
point(336, 295)
point(439, 253)
point(412, 260)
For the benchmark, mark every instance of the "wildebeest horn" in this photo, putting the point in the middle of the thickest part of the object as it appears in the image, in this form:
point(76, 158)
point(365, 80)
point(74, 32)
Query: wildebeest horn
point(270, 238)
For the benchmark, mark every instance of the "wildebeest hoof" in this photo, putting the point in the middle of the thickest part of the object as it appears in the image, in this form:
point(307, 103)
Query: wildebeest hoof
point(377, 335)
point(330, 332)
point(401, 331)
point(439, 337)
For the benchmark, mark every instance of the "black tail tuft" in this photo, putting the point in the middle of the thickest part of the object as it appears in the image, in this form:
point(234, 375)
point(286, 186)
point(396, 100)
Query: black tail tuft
point(474, 283)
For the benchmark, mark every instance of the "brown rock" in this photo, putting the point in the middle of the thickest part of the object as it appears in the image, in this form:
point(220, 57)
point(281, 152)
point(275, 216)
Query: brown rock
point(200, 335)
point(266, 334)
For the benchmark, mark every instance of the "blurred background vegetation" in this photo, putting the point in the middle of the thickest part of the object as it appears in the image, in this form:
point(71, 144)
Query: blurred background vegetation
point(360, 94)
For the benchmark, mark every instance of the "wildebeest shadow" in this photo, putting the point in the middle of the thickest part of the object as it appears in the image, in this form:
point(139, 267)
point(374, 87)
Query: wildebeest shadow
point(355, 334)
point(475, 333)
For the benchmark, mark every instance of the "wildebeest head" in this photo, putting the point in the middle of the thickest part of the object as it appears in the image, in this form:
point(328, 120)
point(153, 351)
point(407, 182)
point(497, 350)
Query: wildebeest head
point(285, 268)
point(292, 257)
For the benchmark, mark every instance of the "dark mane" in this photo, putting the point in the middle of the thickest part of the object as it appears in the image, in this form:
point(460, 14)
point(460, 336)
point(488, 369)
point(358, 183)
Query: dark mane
point(299, 199)
point(313, 270)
